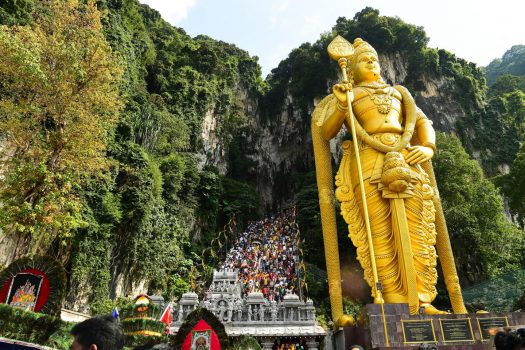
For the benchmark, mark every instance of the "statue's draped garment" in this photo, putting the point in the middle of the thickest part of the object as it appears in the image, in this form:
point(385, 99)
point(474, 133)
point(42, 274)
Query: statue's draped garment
point(402, 223)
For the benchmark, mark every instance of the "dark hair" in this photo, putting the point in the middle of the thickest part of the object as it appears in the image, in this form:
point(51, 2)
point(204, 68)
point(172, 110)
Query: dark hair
point(510, 340)
point(103, 331)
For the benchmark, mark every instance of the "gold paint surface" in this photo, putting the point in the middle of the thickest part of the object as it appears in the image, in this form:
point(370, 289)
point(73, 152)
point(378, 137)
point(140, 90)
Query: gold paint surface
point(385, 185)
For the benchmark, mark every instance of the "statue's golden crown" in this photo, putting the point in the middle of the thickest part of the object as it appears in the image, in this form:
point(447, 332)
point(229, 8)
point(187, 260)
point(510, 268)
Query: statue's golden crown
point(361, 46)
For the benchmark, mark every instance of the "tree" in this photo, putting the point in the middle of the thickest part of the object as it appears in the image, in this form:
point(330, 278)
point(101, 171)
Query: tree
point(485, 243)
point(59, 102)
point(513, 185)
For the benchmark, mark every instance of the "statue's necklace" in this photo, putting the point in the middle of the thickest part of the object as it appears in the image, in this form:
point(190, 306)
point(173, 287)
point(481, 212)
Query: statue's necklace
point(381, 97)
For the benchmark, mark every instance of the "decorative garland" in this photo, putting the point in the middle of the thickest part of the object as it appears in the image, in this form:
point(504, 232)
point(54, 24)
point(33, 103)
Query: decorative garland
point(143, 341)
point(144, 326)
point(27, 326)
point(141, 325)
point(192, 319)
point(51, 269)
point(131, 311)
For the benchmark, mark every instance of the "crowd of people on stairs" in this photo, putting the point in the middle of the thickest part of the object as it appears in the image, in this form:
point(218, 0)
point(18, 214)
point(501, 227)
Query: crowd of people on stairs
point(265, 255)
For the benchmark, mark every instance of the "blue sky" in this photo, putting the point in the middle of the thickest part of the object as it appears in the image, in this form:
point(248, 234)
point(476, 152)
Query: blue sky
point(478, 31)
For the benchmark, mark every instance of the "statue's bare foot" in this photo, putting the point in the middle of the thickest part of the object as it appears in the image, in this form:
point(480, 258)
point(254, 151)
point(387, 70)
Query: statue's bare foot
point(345, 321)
point(428, 309)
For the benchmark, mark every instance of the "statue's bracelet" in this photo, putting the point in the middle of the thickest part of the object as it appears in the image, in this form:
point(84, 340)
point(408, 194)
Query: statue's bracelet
point(341, 108)
point(430, 145)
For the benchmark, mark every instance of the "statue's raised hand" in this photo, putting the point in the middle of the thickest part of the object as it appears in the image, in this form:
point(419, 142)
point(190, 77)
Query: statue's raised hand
point(418, 154)
point(342, 92)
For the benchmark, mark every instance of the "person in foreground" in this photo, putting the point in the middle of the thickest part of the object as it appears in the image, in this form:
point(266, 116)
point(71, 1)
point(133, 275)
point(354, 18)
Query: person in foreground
point(97, 333)
point(510, 340)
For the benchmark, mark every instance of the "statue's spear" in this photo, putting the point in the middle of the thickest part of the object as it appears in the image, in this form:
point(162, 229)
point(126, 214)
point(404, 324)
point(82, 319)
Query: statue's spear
point(341, 50)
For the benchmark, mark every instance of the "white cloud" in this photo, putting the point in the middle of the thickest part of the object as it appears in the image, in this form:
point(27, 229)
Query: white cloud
point(173, 11)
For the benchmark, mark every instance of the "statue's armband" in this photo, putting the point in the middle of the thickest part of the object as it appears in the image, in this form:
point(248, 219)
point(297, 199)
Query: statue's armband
point(424, 130)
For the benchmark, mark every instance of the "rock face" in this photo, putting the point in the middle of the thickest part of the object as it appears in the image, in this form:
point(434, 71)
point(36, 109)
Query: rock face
point(283, 147)
point(439, 105)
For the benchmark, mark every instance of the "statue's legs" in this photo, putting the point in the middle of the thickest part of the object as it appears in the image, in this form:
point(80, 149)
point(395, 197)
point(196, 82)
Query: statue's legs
point(421, 216)
point(419, 210)
point(385, 247)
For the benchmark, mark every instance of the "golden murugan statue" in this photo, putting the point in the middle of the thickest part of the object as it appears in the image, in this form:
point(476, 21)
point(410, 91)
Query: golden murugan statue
point(387, 162)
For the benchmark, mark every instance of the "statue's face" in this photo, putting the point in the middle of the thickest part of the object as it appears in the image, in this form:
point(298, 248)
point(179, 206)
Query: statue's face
point(366, 68)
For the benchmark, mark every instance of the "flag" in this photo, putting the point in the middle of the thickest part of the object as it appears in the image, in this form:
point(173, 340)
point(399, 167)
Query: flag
point(114, 314)
point(167, 318)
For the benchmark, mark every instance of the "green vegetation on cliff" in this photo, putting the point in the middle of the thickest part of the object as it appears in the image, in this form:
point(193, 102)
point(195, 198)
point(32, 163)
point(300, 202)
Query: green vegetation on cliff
point(59, 103)
point(496, 131)
point(145, 219)
point(507, 98)
point(475, 215)
point(165, 204)
point(512, 62)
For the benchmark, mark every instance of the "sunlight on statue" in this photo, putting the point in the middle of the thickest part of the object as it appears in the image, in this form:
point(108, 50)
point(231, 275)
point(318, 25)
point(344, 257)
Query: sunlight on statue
point(388, 164)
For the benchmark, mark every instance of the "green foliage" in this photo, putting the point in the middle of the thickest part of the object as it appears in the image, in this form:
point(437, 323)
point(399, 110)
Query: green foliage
point(240, 199)
point(245, 343)
point(513, 186)
point(499, 127)
point(469, 81)
point(316, 281)
point(59, 101)
point(144, 341)
point(475, 215)
point(505, 84)
point(309, 220)
point(26, 325)
point(512, 62)
point(176, 287)
point(352, 307)
point(61, 338)
point(34, 328)
point(90, 263)
point(501, 294)
point(17, 11)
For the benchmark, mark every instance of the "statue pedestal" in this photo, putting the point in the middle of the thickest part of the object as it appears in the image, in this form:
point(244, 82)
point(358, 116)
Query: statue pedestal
point(405, 331)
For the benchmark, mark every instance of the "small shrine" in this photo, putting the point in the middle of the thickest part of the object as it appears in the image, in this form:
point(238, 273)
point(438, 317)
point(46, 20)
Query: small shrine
point(140, 322)
point(254, 315)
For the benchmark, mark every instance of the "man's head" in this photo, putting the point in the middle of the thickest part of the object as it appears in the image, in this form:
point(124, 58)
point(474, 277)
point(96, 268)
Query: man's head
point(97, 333)
point(510, 339)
